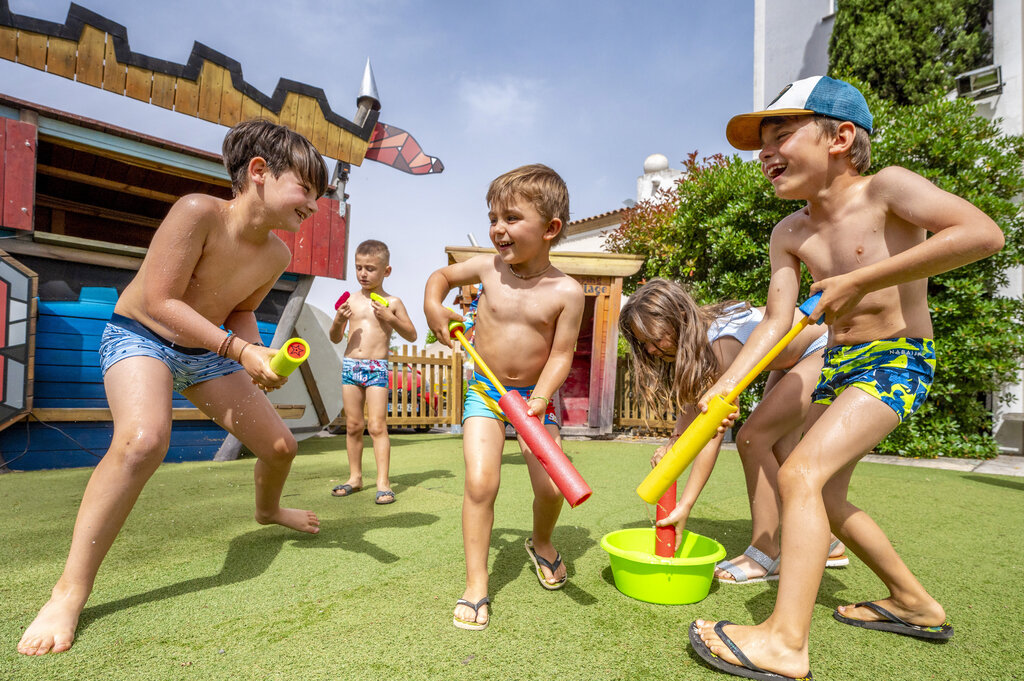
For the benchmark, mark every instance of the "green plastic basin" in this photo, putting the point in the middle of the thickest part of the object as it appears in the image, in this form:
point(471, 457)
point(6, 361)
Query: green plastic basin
point(642, 575)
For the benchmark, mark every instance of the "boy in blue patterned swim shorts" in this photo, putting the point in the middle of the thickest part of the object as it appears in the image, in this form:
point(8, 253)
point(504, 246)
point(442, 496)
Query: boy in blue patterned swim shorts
point(863, 239)
point(364, 373)
point(210, 264)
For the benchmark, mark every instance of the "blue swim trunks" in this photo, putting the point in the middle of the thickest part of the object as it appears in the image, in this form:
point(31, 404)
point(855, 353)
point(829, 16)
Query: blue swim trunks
point(124, 337)
point(482, 400)
point(365, 373)
point(898, 371)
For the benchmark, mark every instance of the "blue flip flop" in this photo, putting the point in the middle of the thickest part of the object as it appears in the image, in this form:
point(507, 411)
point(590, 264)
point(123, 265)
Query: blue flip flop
point(348, 490)
point(384, 493)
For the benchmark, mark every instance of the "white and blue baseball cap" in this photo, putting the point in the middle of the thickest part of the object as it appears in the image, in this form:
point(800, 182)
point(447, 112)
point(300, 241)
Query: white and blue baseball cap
point(816, 95)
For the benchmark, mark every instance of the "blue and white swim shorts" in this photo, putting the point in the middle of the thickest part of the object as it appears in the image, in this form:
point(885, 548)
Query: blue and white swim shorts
point(124, 337)
point(365, 373)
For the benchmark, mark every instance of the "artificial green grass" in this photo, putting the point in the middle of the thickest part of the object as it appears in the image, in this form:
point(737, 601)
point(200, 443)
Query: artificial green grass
point(194, 589)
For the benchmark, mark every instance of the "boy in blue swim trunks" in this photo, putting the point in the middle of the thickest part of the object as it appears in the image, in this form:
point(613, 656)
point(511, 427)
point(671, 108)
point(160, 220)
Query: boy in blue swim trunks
point(209, 265)
point(527, 320)
point(863, 239)
point(364, 376)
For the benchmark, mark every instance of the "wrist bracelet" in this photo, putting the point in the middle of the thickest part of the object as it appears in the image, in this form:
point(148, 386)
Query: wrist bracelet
point(538, 397)
point(223, 348)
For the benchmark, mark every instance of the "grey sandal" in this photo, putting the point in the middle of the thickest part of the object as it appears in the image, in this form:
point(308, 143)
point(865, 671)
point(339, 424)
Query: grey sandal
point(739, 576)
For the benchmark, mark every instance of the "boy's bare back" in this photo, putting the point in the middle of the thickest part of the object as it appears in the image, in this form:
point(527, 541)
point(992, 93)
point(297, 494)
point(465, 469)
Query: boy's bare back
point(517, 319)
point(205, 256)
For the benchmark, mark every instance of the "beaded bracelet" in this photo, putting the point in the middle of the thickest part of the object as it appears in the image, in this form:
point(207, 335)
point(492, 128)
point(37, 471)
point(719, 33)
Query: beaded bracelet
point(538, 397)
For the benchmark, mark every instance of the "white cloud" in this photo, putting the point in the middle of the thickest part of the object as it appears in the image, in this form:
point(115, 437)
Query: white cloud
point(501, 104)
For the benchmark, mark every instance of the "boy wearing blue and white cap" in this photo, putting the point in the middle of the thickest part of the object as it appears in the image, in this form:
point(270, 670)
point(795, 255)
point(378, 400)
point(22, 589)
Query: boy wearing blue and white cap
point(863, 240)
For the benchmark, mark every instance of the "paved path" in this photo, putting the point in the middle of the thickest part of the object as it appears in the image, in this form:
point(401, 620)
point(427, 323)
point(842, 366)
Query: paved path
point(1003, 464)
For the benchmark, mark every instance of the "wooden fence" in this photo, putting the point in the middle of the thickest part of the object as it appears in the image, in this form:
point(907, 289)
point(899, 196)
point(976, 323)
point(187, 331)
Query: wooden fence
point(630, 414)
point(431, 390)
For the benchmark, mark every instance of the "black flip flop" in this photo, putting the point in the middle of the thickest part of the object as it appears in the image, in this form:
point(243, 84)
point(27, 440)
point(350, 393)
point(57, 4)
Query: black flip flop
point(748, 670)
point(894, 624)
point(474, 625)
point(539, 560)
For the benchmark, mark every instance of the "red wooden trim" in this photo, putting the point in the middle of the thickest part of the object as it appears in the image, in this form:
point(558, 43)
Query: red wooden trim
point(19, 174)
point(3, 164)
point(339, 237)
point(321, 237)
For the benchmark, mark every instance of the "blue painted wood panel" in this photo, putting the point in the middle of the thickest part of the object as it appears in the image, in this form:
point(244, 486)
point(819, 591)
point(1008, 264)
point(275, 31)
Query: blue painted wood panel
point(68, 375)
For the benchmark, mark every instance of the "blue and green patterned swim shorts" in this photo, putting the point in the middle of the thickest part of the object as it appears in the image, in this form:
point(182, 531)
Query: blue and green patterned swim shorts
point(898, 371)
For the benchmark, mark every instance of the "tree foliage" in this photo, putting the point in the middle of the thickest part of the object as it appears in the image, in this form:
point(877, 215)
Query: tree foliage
point(713, 233)
point(911, 49)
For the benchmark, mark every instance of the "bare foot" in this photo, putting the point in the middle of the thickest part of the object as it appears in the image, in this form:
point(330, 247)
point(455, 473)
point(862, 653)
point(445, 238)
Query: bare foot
point(53, 629)
point(294, 518)
point(760, 647)
point(467, 614)
point(927, 614)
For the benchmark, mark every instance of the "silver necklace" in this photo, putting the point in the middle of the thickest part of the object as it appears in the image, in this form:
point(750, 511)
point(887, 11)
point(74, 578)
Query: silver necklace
point(528, 276)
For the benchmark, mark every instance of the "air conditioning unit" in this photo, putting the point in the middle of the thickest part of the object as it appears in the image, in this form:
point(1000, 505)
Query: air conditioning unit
point(980, 83)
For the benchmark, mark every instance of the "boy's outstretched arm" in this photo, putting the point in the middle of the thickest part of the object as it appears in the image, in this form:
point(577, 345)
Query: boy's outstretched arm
point(563, 347)
point(439, 283)
point(783, 290)
point(961, 232)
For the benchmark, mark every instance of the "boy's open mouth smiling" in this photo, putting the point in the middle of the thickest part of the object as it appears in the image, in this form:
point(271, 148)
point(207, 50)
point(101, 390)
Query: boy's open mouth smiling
point(505, 243)
point(773, 170)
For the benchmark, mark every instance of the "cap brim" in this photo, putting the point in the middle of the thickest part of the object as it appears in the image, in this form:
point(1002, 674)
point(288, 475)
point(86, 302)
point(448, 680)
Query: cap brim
point(744, 131)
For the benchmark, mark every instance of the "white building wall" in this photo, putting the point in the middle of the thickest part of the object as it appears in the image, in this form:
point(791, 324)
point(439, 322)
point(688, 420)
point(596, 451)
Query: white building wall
point(1007, 40)
point(790, 43)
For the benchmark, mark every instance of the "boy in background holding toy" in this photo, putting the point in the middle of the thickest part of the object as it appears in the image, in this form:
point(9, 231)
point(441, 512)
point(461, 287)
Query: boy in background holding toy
point(210, 264)
point(370, 315)
point(863, 240)
point(527, 321)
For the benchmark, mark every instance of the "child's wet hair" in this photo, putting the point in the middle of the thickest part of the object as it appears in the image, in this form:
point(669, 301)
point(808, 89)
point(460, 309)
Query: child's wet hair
point(538, 184)
point(283, 149)
point(663, 309)
point(376, 248)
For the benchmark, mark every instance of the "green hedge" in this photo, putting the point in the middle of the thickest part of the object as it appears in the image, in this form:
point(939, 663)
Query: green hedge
point(713, 232)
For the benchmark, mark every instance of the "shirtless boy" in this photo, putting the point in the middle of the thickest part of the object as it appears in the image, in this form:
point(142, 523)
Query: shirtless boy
point(365, 366)
point(209, 265)
point(527, 321)
point(865, 241)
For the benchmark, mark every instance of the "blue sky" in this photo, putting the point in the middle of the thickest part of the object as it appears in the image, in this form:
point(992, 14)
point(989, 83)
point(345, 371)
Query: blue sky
point(590, 88)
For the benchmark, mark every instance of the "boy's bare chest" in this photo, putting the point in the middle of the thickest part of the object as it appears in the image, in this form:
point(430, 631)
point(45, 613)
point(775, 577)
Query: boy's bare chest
point(858, 240)
point(513, 307)
point(233, 270)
